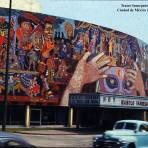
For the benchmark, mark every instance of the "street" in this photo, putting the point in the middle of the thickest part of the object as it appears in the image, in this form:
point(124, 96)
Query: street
point(59, 140)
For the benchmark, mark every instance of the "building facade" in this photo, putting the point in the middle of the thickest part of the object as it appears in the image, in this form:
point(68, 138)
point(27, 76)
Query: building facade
point(51, 57)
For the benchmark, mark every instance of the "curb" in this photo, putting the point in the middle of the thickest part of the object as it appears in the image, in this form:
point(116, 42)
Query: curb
point(33, 133)
point(48, 134)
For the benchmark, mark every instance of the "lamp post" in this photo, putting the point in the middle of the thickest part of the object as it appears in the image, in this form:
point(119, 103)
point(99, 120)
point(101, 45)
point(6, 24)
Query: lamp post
point(7, 72)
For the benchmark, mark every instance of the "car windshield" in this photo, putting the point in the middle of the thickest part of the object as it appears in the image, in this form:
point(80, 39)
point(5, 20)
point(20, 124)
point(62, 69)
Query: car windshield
point(123, 125)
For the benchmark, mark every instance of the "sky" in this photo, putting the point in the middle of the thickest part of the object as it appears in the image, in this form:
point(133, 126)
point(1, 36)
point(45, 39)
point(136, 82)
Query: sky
point(104, 13)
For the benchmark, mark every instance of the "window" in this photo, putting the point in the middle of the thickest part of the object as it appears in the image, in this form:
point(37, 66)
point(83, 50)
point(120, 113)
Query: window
point(124, 125)
point(143, 128)
point(119, 125)
point(131, 126)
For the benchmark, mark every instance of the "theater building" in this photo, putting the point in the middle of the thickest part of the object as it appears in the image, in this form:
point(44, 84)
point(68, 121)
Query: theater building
point(65, 71)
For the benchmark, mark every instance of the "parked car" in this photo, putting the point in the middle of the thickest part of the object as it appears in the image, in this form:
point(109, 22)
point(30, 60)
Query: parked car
point(125, 134)
point(10, 140)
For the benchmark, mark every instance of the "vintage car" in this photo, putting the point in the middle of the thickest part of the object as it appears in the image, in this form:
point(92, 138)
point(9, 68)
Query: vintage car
point(125, 134)
point(9, 140)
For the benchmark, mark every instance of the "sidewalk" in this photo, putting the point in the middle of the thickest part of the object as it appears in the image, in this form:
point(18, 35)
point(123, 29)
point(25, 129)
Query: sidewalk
point(59, 130)
point(51, 130)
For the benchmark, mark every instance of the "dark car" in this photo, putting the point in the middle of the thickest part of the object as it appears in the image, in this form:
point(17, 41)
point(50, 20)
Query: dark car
point(10, 140)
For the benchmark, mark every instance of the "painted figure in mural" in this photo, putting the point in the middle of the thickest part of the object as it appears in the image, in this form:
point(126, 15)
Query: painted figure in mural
point(13, 60)
point(48, 44)
point(37, 45)
point(12, 31)
point(69, 50)
point(103, 46)
point(47, 47)
point(17, 83)
point(110, 46)
point(23, 33)
point(11, 85)
point(45, 90)
point(69, 30)
point(3, 49)
point(51, 67)
point(92, 44)
point(37, 38)
point(86, 41)
point(2, 83)
point(62, 70)
point(34, 88)
point(3, 26)
point(3, 39)
point(62, 49)
point(78, 48)
point(115, 47)
point(33, 59)
point(122, 54)
point(15, 86)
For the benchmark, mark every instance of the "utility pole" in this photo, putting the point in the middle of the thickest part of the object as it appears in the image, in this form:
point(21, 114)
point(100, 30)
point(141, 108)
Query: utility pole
point(7, 72)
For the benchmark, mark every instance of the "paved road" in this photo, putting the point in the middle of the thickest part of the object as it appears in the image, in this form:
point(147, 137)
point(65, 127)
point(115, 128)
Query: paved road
point(74, 140)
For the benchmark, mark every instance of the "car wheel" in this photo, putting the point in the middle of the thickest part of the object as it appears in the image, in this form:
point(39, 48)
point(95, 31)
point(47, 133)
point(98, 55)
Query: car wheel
point(131, 146)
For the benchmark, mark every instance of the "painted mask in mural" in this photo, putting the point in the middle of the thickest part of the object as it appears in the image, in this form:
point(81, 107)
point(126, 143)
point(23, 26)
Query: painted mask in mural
point(117, 82)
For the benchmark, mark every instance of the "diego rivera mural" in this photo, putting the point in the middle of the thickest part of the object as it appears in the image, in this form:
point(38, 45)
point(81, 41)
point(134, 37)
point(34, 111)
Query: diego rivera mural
point(51, 57)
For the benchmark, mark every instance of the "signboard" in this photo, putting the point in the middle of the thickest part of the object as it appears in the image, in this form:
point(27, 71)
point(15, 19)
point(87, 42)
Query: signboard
point(84, 99)
point(115, 101)
point(108, 101)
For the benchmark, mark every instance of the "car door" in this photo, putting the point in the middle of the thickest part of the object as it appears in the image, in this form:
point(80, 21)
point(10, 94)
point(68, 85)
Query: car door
point(142, 136)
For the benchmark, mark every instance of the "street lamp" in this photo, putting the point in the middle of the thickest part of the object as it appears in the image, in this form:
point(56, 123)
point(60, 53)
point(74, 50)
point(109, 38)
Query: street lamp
point(7, 72)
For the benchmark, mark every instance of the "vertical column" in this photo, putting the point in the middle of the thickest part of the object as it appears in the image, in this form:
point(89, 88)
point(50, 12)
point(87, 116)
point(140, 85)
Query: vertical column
point(78, 118)
point(145, 116)
point(70, 117)
point(27, 116)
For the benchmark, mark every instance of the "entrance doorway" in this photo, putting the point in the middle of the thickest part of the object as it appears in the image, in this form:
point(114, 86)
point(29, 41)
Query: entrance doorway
point(35, 117)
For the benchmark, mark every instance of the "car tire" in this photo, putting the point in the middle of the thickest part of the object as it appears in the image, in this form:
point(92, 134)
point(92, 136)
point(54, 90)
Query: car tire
point(131, 145)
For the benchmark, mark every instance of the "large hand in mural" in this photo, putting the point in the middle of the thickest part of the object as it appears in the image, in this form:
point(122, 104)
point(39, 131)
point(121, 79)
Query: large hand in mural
point(135, 77)
point(94, 69)
point(86, 72)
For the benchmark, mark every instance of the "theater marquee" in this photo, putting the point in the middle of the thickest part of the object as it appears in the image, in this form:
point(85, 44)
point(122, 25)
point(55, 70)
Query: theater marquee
point(108, 101)
point(124, 102)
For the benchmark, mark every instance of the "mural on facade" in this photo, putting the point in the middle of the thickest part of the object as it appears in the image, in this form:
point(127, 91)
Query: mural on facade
point(51, 57)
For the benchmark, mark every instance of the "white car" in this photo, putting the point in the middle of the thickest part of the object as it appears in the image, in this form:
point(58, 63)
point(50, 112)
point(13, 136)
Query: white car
point(125, 134)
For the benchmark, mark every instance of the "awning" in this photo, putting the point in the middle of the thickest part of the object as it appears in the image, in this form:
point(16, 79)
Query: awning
point(107, 101)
